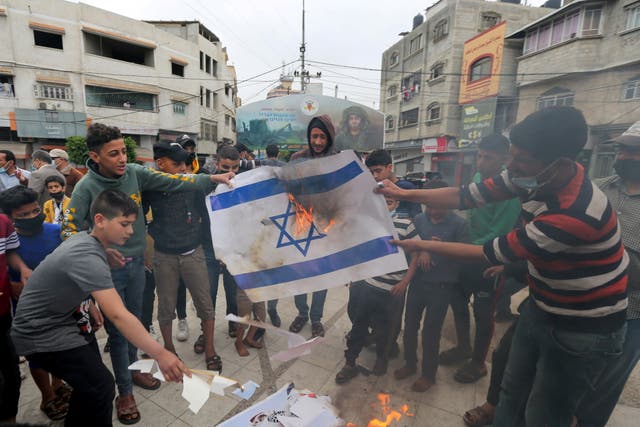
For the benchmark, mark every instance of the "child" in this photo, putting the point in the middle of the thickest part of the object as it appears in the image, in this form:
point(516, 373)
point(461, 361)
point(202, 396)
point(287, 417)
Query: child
point(37, 240)
point(431, 290)
point(229, 161)
point(53, 322)
point(54, 208)
point(375, 307)
point(176, 230)
point(108, 169)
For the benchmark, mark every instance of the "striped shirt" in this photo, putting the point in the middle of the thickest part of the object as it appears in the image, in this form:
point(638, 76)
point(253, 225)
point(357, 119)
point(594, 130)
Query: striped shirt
point(405, 229)
point(8, 241)
point(571, 241)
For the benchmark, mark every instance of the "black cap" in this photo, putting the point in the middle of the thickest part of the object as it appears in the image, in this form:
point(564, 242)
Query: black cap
point(172, 150)
point(241, 147)
point(185, 140)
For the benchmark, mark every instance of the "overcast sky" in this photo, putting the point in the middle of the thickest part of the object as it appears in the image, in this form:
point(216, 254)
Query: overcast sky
point(262, 34)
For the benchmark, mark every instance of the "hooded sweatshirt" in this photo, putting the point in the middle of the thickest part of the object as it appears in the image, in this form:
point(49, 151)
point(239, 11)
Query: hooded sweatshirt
point(323, 123)
point(135, 180)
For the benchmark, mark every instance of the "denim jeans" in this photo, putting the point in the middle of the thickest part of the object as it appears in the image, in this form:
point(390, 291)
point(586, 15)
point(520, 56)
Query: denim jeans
point(317, 305)
point(129, 283)
point(230, 287)
point(550, 370)
point(597, 406)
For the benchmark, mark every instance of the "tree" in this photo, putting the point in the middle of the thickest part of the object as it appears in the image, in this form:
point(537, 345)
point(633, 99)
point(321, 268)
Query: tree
point(76, 148)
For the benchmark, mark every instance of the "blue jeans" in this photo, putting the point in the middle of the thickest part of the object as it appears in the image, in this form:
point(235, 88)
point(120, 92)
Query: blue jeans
point(129, 283)
point(597, 406)
point(230, 288)
point(317, 305)
point(551, 369)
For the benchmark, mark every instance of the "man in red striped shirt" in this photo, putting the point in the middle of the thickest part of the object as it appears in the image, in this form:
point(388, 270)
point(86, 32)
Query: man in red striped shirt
point(574, 322)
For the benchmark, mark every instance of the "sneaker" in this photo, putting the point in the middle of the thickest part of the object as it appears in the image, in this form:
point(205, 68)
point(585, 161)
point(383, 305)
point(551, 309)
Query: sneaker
point(153, 333)
point(183, 330)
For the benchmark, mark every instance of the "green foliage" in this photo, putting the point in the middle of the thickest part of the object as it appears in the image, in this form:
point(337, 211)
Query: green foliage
point(76, 147)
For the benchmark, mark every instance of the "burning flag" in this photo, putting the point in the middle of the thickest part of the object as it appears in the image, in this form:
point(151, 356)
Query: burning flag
point(303, 227)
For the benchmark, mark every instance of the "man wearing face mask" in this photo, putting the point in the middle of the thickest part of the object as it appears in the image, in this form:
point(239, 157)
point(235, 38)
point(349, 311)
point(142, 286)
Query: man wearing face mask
point(623, 191)
point(574, 323)
point(10, 174)
point(41, 161)
point(54, 208)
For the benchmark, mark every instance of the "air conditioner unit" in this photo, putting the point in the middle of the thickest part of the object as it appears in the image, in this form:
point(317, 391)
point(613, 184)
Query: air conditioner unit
point(42, 106)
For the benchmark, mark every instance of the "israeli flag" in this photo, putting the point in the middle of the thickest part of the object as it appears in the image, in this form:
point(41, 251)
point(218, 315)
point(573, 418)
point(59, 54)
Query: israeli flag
point(304, 227)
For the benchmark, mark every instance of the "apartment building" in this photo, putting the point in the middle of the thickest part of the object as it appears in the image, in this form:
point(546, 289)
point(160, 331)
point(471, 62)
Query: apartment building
point(64, 65)
point(421, 81)
point(585, 54)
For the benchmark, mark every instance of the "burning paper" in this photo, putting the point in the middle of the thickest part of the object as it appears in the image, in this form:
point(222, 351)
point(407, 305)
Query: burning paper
point(303, 227)
point(247, 390)
point(288, 407)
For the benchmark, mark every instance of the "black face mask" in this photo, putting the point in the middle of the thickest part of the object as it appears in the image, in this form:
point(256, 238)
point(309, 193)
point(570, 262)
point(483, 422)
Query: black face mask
point(30, 225)
point(57, 196)
point(628, 169)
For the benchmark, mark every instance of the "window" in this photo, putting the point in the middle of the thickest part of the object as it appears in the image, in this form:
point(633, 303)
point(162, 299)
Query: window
point(556, 32)
point(44, 39)
point(227, 89)
point(208, 130)
point(98, 96)
point(392, 90)
point(215, 100)
point(530, 41)
point(409, 118)
point(591, 21)
point(394, 59)
point(201, 60)
point(415, 44)
point(411, 86)
point(389, 122)
point(177, 69)
point(179, 107)
point(207, 98)
point(433, 112)
point(556, 96)
point(6, 86)
point(544, 37)
point(227, 120)
point(437, 70)
point(633, 17)
point(118, 49)
point(51, 116)
point(214, 67)
point(632, 89)
point(207, 64)
point(489, 19)
point(480, 69)
point(52, 91)
point(201, 96)
point(441, 30)
point(571, 26)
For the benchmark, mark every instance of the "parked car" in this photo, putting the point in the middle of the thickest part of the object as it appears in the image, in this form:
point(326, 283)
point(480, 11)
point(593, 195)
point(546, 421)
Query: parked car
point(419, 179)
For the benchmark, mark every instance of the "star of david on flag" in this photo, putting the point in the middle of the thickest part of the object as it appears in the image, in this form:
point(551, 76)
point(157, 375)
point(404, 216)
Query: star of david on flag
point(304, 227)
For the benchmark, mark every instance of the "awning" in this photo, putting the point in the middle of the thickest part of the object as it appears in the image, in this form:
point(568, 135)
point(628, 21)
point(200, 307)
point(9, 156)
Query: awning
point(46, 27)
point(19, 149)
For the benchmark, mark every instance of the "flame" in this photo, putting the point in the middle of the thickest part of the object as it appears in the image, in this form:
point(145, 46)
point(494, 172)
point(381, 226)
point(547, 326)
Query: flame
point(331, 224)
point(390, 415)
point(304, 217)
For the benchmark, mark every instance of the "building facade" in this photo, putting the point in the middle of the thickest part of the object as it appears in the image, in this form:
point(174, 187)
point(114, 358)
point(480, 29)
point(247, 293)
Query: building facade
point(585, 54)
point(420, 84)
point(64, 65)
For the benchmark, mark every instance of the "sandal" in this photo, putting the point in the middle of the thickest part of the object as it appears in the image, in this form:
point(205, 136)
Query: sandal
point(470, 372)
point(477, 417)
point(214, 363)
point(297, 324)
point(198, 346)
point(55, 409)
point(127, 409)
point(347, 373)
point(145, 381)
point(64, 392)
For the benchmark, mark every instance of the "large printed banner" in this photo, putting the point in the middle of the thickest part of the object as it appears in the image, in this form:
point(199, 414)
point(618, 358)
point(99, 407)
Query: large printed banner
point(283, 121)
point(303, 227)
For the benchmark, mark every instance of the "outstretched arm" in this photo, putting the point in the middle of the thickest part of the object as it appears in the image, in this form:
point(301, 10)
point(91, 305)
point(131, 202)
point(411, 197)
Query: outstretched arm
point(439, 197)
point(456, 250)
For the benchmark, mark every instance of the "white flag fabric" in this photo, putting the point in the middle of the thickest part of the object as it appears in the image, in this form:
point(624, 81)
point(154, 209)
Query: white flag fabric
point(304, 227)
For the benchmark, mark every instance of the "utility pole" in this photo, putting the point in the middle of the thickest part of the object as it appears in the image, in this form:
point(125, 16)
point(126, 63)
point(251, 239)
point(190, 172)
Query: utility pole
point(304, 73)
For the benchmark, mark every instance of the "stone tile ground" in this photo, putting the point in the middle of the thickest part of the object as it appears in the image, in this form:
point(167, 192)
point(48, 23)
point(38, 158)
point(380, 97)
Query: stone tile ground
point(441, 406)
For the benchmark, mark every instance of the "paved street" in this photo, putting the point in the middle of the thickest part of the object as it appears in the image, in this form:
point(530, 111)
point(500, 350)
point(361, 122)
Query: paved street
point(441, 406)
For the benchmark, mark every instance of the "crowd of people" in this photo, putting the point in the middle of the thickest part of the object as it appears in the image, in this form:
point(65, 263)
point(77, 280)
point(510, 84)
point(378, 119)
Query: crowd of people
point(81, 252)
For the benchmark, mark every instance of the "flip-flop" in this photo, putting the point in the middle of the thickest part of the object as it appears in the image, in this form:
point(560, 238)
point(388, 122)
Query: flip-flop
point(198, 346)
point(214, 363)
point(55, 409)
point(64, 392)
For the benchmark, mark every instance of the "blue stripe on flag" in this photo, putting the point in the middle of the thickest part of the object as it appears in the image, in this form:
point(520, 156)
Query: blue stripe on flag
point(271, 187)
point(358, 254)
